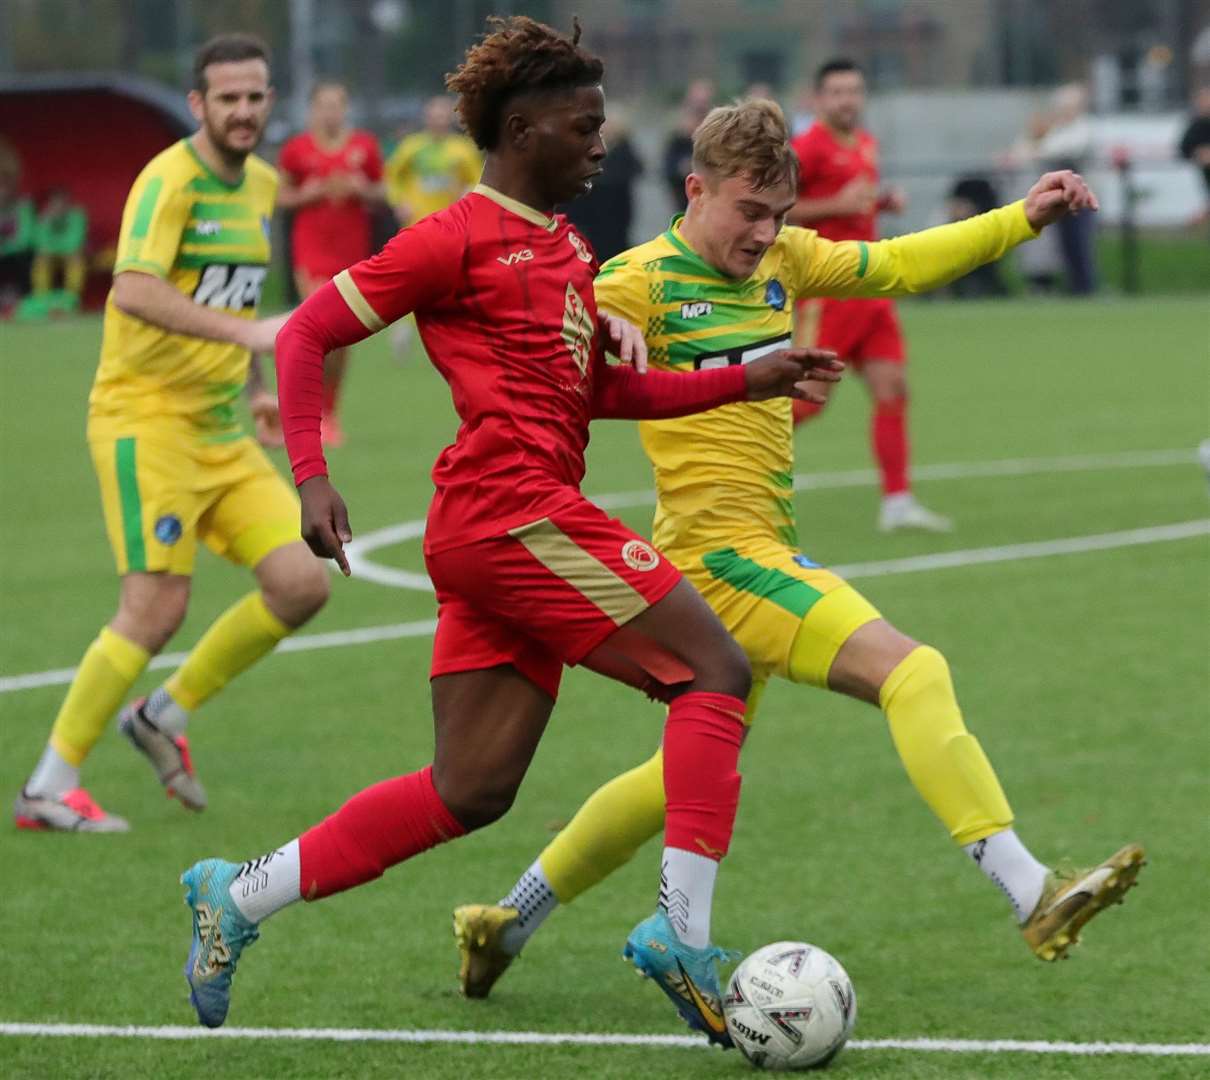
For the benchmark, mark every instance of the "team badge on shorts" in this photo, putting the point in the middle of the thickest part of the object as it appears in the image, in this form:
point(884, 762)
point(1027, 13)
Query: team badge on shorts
point(168, 529)
point(775, 295)
point(807, 564)
point(639, 556)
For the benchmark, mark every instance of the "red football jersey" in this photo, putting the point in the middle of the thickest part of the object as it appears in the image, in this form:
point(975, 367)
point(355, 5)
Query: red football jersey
point(504, 304)
point(826, 165)
point(330, 234)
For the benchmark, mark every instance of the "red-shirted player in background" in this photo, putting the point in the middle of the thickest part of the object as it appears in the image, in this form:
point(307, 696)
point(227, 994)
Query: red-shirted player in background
point(839, 197)
point(529, 574)
point(331, 179)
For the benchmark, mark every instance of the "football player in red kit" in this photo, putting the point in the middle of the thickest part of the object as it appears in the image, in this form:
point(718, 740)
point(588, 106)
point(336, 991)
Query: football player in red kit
point(529, 574)
point(331, 179)
point(839, 197)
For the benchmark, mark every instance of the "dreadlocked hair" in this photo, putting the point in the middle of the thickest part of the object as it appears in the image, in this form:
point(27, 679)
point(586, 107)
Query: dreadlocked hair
point(517, 55)
point(747, 139)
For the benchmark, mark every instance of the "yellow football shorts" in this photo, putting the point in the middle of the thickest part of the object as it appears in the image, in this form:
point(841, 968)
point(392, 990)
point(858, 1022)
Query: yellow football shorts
point(767, 596)
point(162, 492)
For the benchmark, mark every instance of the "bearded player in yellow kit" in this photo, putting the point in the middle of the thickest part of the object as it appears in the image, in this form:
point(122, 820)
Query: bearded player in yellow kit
point(173, 463)
point(718, 288)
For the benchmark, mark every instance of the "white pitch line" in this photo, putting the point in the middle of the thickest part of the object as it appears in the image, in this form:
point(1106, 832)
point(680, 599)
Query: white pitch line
point(359, 551)
point(544, 1038)
point(1072, 545)
point(1039, 549)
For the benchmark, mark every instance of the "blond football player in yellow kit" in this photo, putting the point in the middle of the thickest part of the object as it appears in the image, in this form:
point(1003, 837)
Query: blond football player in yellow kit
point(173, 464)
point(718, 288)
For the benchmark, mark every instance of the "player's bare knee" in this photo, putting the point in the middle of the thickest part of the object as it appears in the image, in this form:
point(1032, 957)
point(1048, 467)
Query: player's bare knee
point(311, 589)
point(725, 670)
point(475, 802)
point(297, 592)
point(151, 610)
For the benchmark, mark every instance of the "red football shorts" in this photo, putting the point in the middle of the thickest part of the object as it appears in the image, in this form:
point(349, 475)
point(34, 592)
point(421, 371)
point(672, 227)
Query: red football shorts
point(857, 330)
point(542, 595)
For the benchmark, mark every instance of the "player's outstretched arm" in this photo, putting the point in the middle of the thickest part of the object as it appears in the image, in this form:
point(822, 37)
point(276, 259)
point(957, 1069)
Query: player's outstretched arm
point(155, 301)
point(790, 372)
point(919, 262)
point(622, 393)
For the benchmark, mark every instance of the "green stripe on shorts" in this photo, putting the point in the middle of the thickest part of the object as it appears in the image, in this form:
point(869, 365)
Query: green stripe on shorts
point(767, 582)
point(132, 506)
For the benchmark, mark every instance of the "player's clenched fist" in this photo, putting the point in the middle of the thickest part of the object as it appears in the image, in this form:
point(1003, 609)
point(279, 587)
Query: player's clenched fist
point(325, 521)
point(787, 373)
point(1056, 194)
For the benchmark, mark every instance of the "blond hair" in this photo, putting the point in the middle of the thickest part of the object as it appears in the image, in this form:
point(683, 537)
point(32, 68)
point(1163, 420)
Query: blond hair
point(750, 139)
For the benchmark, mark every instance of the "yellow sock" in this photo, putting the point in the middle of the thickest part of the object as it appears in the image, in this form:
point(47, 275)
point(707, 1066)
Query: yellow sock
point(608, 829)
point(943, 760)
point(104, 678)
point(239, 637)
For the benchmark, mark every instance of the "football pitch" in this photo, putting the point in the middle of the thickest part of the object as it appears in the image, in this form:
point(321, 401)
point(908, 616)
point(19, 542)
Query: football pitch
point(1072, 601)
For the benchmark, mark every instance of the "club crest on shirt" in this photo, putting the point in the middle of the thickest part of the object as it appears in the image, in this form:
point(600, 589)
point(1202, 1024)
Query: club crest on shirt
point(775, 295)
point(168, 529)
point(639, 556)
point(266, 226)
point(582, 251)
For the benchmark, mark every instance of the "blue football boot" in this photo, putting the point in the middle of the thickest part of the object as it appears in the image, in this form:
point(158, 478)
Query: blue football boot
point(220, 933)
point(687, 975)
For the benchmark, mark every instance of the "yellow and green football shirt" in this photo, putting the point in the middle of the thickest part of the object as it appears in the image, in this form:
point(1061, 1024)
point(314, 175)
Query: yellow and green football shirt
point(727, 474)
point(427, 172)
point(210, 240)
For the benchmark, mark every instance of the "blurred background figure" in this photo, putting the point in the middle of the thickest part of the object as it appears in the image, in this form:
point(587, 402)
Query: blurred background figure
point(678, 148)
point(759, 91)
point(18, 223)
point(426, 172)
point(60, 265)
point(433, 168)
point(1041, 262)
point(802, 116)
point(971, 195)
point(839, 197)
point(1195, 142)
point(1067, 144)
point(331, 179)
point(604, 215)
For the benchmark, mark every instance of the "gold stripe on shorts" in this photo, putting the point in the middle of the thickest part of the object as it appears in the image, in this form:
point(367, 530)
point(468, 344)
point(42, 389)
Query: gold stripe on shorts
point(585, 573)
point(358, 304)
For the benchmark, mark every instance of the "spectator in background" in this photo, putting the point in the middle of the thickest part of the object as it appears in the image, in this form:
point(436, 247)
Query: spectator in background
point(1041, 262)
point(428, 171)
point(59, 237)
point(605, 213)
point(331, 178)
point(433, 168)
point(1067, 144)
point(1195, 143)
point(17, 226)
point(969, 196)
point(678, 149)
point(759, 91)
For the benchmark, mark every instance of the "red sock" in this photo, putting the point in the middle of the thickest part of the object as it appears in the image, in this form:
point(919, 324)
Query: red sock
point(377, 828)
point(889, 440)
point(804, 410)
point(702, 737)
